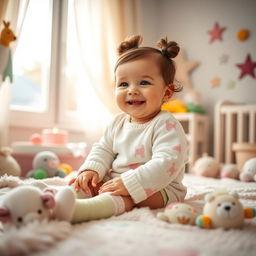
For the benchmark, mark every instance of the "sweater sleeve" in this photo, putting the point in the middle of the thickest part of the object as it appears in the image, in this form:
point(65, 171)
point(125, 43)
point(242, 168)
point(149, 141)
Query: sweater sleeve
point(101, 155)
point(169, 155)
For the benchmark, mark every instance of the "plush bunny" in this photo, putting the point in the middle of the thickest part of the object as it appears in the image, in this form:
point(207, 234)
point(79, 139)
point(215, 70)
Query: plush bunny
point(223, 210)
point(27, 203)
point(179, 213)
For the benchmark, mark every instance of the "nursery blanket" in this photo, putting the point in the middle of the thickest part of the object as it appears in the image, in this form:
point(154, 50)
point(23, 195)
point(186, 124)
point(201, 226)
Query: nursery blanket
point(139, 232)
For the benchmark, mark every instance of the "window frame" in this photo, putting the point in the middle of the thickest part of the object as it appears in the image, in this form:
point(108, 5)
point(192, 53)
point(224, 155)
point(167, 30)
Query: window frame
point(53, 115)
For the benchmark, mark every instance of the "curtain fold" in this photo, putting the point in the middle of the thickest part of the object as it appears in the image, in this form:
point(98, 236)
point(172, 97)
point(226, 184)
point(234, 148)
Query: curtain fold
point(101, 25)
point(13, 11)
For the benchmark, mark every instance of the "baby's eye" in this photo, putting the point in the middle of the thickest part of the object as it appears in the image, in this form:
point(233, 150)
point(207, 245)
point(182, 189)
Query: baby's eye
point(39, 211)
point(144, 82)
point(123, 84)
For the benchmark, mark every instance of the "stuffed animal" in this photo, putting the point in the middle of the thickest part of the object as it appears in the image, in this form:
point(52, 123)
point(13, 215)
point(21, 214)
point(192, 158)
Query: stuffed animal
point(27, 203)
point(206, 166)
point(230, 171)
point(8, 165)
point(249, 170)
point(179, 213)
point(223, 210)
point(45, 165)
point(7, 36)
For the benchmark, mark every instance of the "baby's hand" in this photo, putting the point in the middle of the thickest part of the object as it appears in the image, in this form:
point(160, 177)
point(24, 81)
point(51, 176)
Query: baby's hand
point(115, 186)
point(83, 179)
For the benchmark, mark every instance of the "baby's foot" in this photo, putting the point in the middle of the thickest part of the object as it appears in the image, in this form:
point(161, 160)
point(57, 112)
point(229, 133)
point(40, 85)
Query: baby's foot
point(65, 204)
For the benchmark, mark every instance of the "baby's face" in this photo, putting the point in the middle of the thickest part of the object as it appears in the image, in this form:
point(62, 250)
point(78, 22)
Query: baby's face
point(140, 89)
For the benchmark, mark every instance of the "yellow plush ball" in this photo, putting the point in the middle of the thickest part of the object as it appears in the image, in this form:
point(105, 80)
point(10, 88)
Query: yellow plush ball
point(66, 167)
point(175, 106)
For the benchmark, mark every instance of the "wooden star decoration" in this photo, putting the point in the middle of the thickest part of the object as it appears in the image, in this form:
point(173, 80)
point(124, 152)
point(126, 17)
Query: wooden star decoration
point(184, 68)
point(215, 82)
point(247, 68)
point(216, 32)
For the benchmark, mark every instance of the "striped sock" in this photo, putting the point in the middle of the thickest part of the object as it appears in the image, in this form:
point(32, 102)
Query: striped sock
point(98, 207)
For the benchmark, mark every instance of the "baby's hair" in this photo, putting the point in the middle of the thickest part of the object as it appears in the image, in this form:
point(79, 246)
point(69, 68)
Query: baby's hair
point(129, 50)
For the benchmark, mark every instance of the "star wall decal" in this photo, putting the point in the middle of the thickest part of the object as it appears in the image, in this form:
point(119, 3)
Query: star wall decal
point(247, 68)
point(216, 32)
point(183, 69)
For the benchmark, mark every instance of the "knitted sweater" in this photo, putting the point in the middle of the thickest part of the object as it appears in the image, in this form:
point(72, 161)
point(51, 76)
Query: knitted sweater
point(148, 157)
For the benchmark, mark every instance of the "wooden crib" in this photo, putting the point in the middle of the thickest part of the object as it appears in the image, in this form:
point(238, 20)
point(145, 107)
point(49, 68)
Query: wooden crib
point(233, 123)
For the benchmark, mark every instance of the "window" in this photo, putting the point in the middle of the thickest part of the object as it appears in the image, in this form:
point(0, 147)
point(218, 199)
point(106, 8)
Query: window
point(50, 85)
point(32, 59)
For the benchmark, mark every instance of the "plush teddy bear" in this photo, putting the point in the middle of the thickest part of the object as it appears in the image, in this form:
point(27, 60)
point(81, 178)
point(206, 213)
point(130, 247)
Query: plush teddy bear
point(179, 213)
point(249, 170)
point(27, 203)
point(206, 166)
point(8, 165)
point(223, 210)
point(45, 165)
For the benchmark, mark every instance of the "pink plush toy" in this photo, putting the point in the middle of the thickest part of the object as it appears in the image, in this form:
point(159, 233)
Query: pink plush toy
point(27, 203)
point(179, 213)
point(206, 166)
point(230, 171)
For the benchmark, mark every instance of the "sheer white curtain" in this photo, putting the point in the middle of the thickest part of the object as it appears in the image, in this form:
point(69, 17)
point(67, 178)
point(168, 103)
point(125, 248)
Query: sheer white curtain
point(13, 11)
point(101, 26)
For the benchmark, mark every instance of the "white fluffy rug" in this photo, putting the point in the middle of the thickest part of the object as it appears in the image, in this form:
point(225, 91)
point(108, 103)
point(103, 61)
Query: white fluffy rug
point(139, 232)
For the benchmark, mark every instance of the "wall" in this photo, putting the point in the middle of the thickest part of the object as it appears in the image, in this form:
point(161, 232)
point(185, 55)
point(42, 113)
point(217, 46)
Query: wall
point(187, 22)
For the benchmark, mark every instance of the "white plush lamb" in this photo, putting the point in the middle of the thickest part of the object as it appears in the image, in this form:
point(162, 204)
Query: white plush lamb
point(27, 203)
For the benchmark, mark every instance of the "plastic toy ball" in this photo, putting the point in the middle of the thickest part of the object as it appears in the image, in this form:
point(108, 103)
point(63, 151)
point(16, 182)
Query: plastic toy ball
point(40, 174)
point(66, 167)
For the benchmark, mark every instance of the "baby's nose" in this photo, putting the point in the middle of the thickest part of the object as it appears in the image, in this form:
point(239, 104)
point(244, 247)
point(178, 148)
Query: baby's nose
point(133, 90)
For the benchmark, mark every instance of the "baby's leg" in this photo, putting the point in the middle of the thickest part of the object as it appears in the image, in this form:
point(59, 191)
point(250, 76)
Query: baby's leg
point(157, 200)
point(101, 206)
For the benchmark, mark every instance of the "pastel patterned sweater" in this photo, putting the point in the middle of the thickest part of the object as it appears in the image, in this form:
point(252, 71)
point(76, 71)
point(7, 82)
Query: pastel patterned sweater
point(149, 157)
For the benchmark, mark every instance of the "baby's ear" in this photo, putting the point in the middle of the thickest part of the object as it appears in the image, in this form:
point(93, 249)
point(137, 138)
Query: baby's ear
point(168, 92)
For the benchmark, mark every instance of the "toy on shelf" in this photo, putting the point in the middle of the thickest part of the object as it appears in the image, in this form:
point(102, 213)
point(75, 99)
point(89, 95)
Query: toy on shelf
point(175, 106)
point(206, 166)
point(28, 203)
point(249, 170)
point(230, 171)
point(179, 213)
point(223, 210)
point(8, 165)
point(7, 36)
point(45, 165)
point(192, 100)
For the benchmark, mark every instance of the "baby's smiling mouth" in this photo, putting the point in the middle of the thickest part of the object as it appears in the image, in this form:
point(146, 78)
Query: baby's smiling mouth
point(135, 102)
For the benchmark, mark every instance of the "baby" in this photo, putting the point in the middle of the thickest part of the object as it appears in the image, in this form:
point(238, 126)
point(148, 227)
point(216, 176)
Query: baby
point(140, 160)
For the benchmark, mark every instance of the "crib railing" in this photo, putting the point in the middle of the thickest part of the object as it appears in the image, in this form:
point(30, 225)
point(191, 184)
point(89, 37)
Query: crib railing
point(233, 123)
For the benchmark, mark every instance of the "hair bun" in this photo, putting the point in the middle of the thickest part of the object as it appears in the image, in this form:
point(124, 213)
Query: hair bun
point(129, 43)
point(169, 49)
